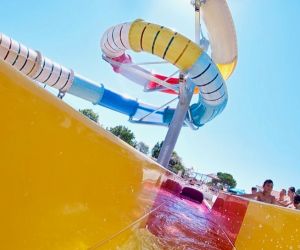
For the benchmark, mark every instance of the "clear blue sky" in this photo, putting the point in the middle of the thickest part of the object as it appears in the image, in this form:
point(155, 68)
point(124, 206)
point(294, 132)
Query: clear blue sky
point(257, 135)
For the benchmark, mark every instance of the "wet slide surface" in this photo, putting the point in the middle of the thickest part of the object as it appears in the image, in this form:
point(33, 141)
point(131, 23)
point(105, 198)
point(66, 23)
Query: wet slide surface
point(183, 224)
point(173, 223)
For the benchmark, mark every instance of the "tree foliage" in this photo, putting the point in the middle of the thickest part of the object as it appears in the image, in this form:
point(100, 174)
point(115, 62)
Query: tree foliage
point(124, 134)
point(156, 149)
point(175, 163)
point(142, 147)
point(90, 114)
point(227, 179)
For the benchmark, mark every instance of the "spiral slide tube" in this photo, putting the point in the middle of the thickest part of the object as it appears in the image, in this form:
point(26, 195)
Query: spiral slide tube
point(41, 69)
point(222, 36)
point(222, 39)
point(176, 49)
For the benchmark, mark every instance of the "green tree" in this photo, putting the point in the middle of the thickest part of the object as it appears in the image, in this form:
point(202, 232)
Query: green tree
point(90, 114)
point(142, 147)
point(226, 179)
point(124, 134)
point(175, 163)
point(156, 149)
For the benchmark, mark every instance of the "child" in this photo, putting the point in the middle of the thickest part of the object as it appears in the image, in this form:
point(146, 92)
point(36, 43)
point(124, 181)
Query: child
point(253, 190)
point(282, 201)
point(297, 201)
point(291, 195)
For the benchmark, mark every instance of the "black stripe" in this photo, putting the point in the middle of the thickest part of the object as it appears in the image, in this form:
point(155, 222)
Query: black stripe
point(25, 60)
point(142, 35)
point(113, 38)
point(202, 72)
point(121, 37)
point(155, 38)
point(17, 55)
point(50, 73)
point(214, 99)
point(109, 44)
point(58, 77)
point(182, 52)
point(35, 61)
point(108, 48)
point(41, 70)
point(169, 44)
point(8, 49)
point(66, 81)
point(1, 39)
point(209, 81)
point(207, 93)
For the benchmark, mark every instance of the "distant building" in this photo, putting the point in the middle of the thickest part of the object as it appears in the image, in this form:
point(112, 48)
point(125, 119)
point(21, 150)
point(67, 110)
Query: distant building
point(214, 177)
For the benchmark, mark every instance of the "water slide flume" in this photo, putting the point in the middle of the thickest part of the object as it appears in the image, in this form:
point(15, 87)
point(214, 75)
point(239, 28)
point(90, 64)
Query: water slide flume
point(222, 39)
point(182, 53)
point(55, 192)
point(41, 69)
point(57, 195)
point(176, 49)
point(206, 74)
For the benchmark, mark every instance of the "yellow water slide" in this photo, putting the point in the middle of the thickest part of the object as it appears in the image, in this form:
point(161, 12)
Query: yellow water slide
point(66, 183)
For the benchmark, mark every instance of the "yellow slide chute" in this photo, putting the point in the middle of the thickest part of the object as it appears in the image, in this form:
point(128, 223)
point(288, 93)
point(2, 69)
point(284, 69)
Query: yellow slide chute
point(65, 182)
point(169, 45)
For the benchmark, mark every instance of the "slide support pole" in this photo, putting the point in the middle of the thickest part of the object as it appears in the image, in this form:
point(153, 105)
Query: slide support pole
point(168, 146)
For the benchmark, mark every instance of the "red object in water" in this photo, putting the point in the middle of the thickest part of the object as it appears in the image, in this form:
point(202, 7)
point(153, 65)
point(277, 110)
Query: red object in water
point(171, 186)
point(191, 194)
point(172, 80)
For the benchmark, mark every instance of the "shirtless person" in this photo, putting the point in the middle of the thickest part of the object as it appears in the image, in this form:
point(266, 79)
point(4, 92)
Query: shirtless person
point(282, 201)
point(291, 195)
point(297, 201)
point(265, 195)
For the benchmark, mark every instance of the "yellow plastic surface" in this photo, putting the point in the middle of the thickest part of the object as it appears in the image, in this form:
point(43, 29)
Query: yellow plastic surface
point(165, 43)
point(269, 227)
point(65, 182)
point(227, 69)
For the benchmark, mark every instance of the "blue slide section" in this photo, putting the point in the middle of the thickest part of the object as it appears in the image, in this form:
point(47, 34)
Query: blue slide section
point(137, 111)
point(119, 103)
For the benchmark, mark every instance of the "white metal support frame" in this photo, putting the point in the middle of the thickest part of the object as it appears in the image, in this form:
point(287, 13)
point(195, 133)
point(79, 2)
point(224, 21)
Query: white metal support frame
point(176, 124)
point(186, 90)
point(138, 71)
